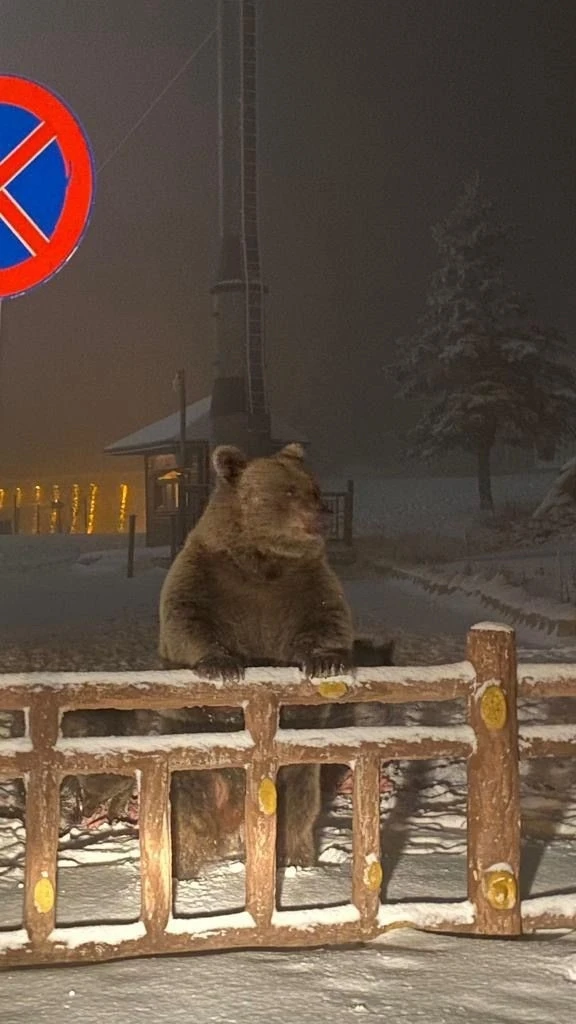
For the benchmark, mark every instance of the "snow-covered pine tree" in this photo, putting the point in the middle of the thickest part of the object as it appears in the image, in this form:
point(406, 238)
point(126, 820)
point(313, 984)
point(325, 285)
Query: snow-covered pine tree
point(486, 371)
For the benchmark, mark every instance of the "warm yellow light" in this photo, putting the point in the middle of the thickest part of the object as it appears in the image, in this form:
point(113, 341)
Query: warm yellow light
point(2, 496)
point(18, 497)
point(92, 492)
point(75, 508)
point(37, 500)
point(123, 505)
point(54, 511)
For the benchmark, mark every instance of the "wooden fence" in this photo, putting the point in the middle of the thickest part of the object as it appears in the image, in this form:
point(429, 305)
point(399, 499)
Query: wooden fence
point(491, 742)
point(340, 526)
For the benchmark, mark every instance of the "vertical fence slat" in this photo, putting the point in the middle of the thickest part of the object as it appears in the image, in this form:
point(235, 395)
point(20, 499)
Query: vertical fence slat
point(155, 847)
point(261, 812)
point(42, 821)
point(493, 783)
point(367, 870)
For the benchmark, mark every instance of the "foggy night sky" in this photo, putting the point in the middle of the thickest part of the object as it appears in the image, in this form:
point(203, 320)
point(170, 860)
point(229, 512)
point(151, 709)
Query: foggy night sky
point(372, 116)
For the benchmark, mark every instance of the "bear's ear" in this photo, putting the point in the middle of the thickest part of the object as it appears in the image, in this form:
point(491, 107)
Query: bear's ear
point(292, 451)
point(228, 462)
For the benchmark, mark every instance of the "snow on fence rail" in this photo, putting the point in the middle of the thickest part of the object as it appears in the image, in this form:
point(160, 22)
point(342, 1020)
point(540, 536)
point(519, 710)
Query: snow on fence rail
point(490, 741)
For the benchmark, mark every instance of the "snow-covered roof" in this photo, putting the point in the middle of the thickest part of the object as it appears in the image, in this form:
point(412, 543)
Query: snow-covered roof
point(166, 432)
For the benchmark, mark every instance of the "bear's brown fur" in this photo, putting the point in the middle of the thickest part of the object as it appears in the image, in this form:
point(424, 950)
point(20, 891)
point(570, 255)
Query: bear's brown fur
point(253, 585)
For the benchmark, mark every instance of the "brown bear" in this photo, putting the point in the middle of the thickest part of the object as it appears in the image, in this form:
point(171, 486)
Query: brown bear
point(252, 585)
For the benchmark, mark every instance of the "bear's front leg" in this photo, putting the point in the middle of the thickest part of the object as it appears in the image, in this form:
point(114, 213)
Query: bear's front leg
point(299, 807)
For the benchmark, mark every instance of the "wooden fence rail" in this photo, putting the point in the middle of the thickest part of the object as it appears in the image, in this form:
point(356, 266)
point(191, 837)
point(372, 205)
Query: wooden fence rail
point(490, 682)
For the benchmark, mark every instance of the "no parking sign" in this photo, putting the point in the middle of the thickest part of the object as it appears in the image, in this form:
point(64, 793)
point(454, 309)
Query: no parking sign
point(46, 185)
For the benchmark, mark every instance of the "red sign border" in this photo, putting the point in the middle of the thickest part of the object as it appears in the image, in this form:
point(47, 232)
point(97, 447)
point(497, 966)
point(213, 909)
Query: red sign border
point(79, 162)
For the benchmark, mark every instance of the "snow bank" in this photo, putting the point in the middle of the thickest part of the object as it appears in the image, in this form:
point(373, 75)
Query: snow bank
point(100, 935)
point(354, 736)
point(311, 917)
point(104, 745)
point(556, 733)
point(427, 915)
point(21, 745)
point(15, 939)
point(210, 925)
point(536, 612)
point(563, 903)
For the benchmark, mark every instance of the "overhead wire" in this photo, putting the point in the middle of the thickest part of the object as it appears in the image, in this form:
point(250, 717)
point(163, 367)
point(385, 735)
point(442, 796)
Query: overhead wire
point(156, 101)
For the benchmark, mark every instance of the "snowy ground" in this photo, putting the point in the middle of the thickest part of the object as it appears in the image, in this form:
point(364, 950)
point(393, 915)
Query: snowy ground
point(110, 621)
point(410, 977)
point(443, 505)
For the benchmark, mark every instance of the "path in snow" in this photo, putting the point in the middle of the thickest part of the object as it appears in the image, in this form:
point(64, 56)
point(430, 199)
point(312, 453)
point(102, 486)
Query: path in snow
point(74, 596)
point(64, 598)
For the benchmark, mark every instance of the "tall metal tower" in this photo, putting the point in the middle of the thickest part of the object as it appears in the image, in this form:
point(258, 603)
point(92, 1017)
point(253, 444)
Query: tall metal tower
point(239, 409)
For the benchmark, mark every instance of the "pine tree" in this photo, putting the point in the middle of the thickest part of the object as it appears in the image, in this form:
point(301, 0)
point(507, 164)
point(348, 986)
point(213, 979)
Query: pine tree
point(486, 371)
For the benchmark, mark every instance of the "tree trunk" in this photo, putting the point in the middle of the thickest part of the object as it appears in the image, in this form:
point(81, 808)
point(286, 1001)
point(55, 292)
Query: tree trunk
point(484, 478)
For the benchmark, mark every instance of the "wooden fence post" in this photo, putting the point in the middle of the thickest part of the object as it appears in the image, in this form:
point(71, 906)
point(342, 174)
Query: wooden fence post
point(493, 782)
point(155, 848)
point(261, 812)
point(42, 821)
point(367, 869)
point(131, 543)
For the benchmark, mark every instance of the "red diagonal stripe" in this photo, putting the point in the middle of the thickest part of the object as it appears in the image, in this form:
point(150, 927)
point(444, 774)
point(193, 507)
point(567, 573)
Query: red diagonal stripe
point(18, 222)
point(25, 152)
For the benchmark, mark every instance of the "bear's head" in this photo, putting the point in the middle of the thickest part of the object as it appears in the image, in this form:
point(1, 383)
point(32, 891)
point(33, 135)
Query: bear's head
point(276, 500)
